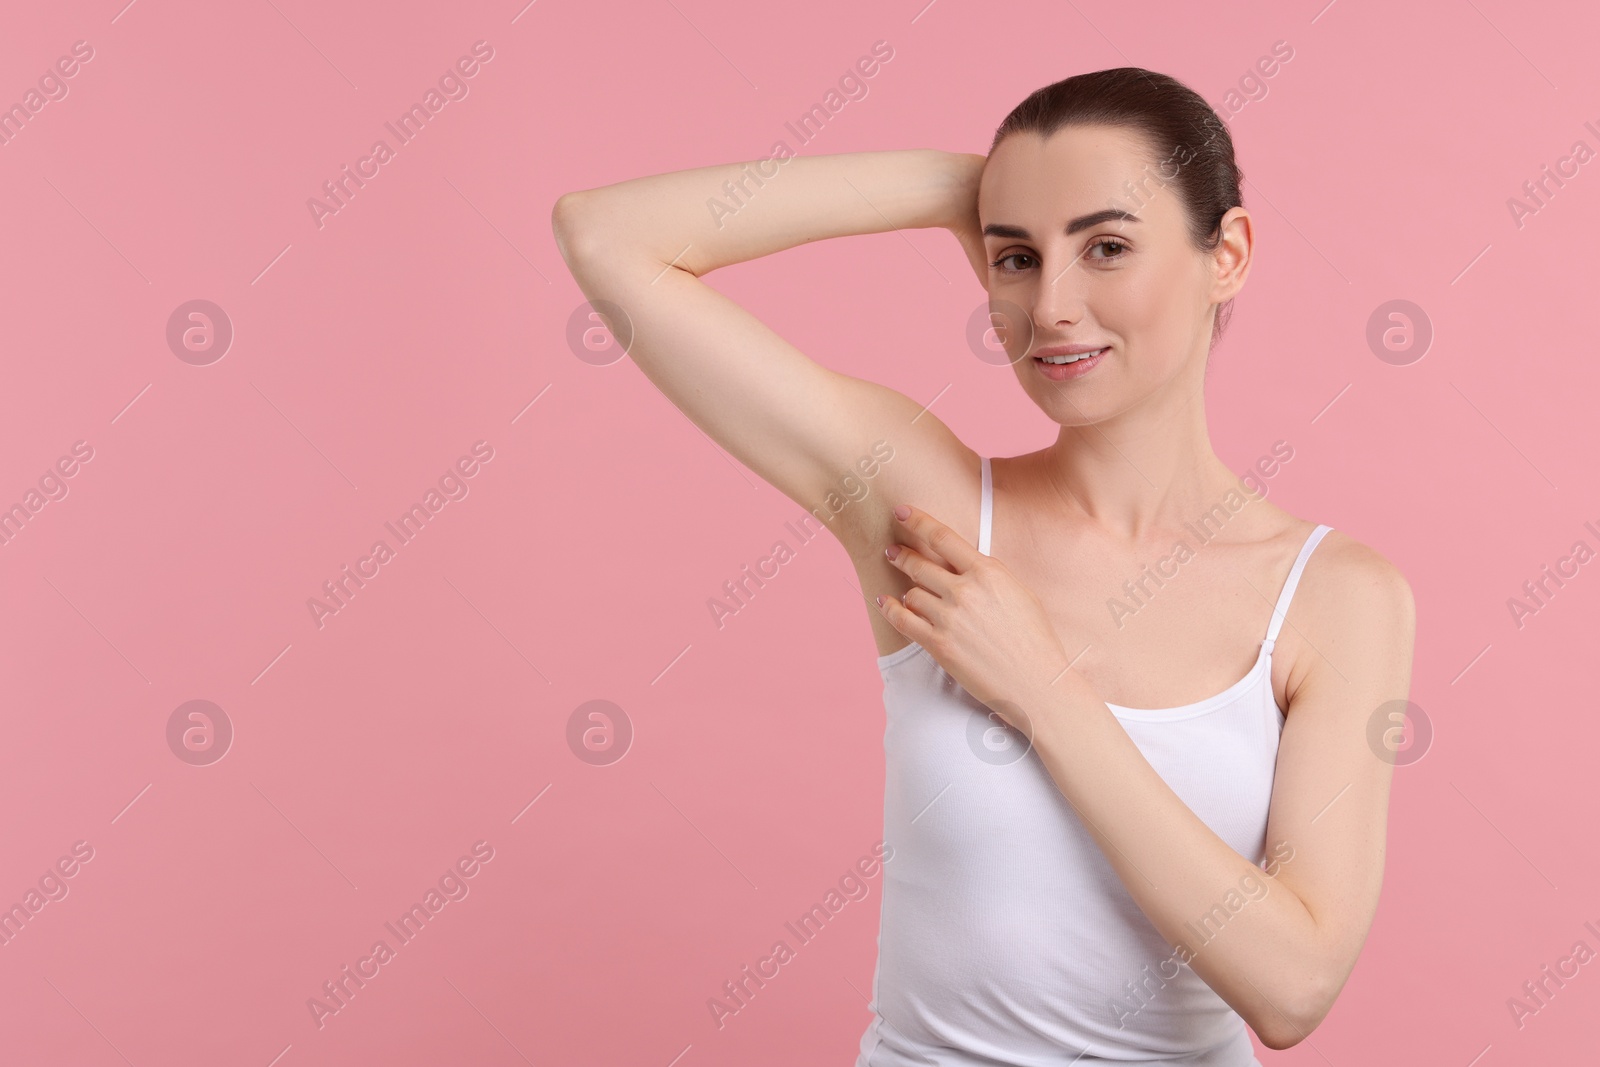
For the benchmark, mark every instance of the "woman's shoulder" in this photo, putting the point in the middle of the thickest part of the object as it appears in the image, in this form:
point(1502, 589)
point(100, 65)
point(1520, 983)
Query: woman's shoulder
point(1351, 611)
point(1348, 585)
point(1355, 566)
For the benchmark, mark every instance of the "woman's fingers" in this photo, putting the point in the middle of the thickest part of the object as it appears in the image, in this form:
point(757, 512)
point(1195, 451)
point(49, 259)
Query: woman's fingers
point(920, 569)
point(935, 540)
point(906, 620)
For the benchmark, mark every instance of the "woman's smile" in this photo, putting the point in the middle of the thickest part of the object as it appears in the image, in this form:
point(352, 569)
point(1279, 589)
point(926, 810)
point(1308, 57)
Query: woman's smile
point(1077, 366)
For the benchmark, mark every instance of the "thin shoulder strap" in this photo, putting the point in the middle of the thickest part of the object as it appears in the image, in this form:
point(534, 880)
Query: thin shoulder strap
point(1282, 607)
point(986, 509)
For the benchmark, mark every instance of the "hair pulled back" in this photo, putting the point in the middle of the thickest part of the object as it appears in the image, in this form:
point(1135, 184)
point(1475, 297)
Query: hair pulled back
point(1192, 147)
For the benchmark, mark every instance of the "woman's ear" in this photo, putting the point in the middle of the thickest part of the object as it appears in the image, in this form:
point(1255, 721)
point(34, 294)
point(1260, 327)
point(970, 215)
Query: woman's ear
point(1230, 262)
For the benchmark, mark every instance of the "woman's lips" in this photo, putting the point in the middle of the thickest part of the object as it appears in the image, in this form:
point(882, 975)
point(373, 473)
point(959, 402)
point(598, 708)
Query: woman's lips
point(1060, 372)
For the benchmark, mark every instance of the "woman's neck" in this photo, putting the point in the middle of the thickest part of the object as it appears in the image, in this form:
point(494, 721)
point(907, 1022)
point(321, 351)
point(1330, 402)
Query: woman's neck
point(1134, 483)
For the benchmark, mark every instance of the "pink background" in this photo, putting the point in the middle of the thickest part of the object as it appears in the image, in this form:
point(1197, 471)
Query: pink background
point(371, 352)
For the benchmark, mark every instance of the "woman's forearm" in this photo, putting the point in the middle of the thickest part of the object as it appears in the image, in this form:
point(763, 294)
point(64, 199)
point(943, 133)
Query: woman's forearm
point(709, 217)
point(1184, 876)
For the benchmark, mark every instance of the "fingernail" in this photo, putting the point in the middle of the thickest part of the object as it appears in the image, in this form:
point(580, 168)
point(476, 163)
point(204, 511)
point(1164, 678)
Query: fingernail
point(880, 600)
point(892, 551)
point(902, 512)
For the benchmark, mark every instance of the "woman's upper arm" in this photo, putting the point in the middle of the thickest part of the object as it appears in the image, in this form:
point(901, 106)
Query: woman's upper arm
point(1330, 797)
point(799, 425)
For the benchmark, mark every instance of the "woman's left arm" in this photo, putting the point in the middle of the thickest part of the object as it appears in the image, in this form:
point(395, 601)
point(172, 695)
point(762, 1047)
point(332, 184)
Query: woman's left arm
point(1284, 956)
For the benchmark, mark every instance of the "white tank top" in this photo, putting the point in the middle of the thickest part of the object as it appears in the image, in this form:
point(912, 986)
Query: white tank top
point(1005, 936)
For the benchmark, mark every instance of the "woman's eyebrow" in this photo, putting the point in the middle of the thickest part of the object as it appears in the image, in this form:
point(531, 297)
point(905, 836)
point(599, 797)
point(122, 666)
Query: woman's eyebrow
point(1082, 222)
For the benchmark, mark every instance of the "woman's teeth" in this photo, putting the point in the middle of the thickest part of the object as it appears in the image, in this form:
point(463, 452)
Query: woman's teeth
point(1070, 359)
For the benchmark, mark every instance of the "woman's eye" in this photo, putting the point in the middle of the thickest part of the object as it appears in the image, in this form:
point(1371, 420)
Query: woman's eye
point(1013, 255)
point(1116, 248)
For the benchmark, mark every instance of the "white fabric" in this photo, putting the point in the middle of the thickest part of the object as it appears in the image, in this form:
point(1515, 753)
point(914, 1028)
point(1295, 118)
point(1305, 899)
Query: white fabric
point(1006, 938)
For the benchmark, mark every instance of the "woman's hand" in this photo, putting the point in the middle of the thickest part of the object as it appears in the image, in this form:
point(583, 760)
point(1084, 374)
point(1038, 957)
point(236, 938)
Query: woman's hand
point(963, 221)
point(986, 629)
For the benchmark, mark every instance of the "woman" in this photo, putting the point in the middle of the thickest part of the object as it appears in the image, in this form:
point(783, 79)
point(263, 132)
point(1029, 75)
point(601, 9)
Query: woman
point(1131, 804)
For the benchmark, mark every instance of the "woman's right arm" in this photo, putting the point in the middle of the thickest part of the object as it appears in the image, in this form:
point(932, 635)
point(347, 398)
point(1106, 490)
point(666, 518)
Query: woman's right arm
point(643, 244)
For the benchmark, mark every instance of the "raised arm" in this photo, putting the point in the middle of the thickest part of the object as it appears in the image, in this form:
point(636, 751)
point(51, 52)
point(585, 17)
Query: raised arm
point(643, 245)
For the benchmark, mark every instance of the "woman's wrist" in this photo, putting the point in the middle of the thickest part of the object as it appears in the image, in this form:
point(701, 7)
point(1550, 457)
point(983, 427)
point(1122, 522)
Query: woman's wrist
point(963, 171)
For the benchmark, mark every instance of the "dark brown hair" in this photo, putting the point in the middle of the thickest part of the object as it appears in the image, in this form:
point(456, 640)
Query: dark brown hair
point(1181, 128)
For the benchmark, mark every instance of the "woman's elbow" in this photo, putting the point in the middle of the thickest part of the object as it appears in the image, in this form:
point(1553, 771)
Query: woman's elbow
point(571, 222)
point(1282, 1031)
point(1280, 1037)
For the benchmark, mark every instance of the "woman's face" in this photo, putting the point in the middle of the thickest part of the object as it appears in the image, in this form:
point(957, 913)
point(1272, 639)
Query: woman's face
point(1088, 244)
